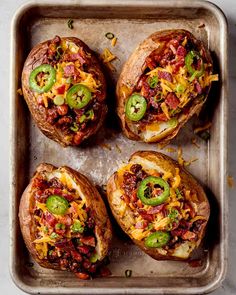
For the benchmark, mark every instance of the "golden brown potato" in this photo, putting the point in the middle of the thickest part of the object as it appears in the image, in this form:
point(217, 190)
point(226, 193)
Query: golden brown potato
point(162, 208)
point(65, 90)
point(64, 221)
point(164, 82)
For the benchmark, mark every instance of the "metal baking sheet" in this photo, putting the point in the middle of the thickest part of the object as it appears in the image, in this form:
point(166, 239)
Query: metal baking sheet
point(131, 22)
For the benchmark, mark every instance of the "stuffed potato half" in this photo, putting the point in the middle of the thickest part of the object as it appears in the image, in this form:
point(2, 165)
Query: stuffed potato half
point(159, 205)
point(163, 83)
point(64, 221)
point(65, 90)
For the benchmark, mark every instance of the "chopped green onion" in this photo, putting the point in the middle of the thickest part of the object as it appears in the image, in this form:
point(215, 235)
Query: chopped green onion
point(58, 52)
point(74, 127)
point(87, 116)
point(77, 227)
point(59, 100)
point(70, 24)
point(178, 193)
point(60, 226)
point(53, 235)
point(173, 213)
point(109, 35)
point(152, 81)
point(128, 273)
point(150, 226)
point(180, 88)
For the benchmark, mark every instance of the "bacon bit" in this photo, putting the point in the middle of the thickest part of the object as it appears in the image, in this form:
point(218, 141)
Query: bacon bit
point(173, 49)
point(141, 224)
point(194, 142)
point(89, 241)
point(156, 209)
point(69, 71)
point(113, 41)
point(19, 91)
point(188, 235)
point(105, 146)
point(170, 150)
point(195, 263)
point(118, 148)
point(202, 128)
point(172, 101)
point(165, 75)
point(181, 51)
point(77, 256)
point(230, 181)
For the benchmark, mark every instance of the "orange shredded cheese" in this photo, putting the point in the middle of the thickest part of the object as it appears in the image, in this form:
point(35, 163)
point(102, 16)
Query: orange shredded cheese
point(202, 128)
point(114, 41)
point(230, 181)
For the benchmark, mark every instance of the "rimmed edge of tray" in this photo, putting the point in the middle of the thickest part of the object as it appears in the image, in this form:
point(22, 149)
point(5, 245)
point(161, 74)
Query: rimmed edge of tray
point(13, 88)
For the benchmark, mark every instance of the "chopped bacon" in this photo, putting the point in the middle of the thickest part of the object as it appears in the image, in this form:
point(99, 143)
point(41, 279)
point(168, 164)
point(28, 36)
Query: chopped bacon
point(83, 249)
point(87, 264)
point(140, 82)
point(77, 256)
point(165, 75)
point(181, 51)
point(125, 198)
point(156, 209)
point(62, 110)
point(40, 183)
point(141, 224)
point(77, 56)
point(150, 63)
point(89, 241)
point(69, 71)
point(65, 245)
point(172, 100)
point(66, 220)
point(50, 219)
point(178, 232)
point(61, 89)
point(154, 103)
point(198, 87)
point(188, 235)
point(145, 215)
point(78, 137)
point(192, 212)
point(68, 197)
point(177, 65)
point(161, 117)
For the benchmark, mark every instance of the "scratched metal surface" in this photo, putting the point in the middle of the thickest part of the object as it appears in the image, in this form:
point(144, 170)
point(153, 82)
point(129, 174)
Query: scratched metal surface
point(100, 157)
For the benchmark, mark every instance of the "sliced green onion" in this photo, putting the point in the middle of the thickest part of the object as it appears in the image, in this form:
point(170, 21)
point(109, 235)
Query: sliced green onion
point(109, 35)
point(70, 24)
point(180, 88)
point(128, 273)
point(152, 81)
point(74, 127)
point(93, 258)
point(53, 235)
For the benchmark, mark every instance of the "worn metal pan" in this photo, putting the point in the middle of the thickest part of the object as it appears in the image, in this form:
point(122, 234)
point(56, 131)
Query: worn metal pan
point(131, 22)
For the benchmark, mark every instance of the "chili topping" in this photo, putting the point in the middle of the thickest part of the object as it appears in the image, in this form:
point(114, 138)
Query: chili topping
point(67, 85)
point(163, 208)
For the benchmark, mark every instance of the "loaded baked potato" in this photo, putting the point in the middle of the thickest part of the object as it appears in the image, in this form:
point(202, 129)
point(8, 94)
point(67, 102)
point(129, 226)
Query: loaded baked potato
point(164, 82)
point(159, 205)
point(64, 222)
point(65, 90)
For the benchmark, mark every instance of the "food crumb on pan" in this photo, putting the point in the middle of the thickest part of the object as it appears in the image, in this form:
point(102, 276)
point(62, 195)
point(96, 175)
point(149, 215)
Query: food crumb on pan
point(194, 142)
point(118, 148)
point(107, 57)
point(201, 128)
point(105, 145)
point(114, 41)
point(230, 181)
point(19, 91)
point(181, 160)
point(170, 150)
point(202, 25)
point(70, 24)
point(195, 263)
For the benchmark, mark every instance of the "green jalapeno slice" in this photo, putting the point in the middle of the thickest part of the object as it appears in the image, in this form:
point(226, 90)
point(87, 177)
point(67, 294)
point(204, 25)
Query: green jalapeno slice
point(78, 96)
point(147, 191)
point(135, 107)
point(57, 205)
point(49, 78)
point(189, 60)
point(157, 239)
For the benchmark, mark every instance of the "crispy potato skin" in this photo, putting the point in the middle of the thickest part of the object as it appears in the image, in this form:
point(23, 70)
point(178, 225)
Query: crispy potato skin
point(167, 164)
point(93, 201)
point(134, 68)
point(35, 59)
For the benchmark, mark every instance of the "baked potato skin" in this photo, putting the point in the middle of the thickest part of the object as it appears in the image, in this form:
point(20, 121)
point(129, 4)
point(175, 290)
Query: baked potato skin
point(94, 202)
point(134, 68)
point(35, 58)
point(167, 164)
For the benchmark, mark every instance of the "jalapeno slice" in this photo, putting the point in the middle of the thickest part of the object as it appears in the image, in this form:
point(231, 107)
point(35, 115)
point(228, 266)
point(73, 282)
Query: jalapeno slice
point(57, 205)
point(148, 193)
point(157, 239)
point(78, 96)
point(189, 60)
point(49, 78)
point(136, 107)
